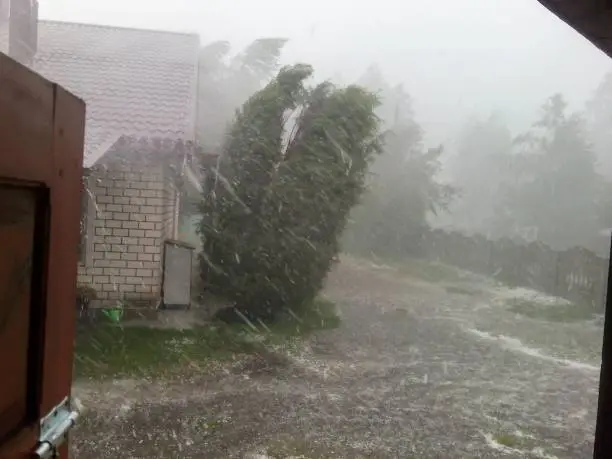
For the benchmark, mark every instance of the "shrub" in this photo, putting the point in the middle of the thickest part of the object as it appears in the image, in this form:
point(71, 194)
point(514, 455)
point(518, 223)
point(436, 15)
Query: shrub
point(275, 213)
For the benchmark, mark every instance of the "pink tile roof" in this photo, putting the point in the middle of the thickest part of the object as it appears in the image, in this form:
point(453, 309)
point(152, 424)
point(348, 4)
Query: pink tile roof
point(139, 83)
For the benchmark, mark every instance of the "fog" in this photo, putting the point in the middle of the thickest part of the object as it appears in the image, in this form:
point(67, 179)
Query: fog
point(409, 262)
point(457, 59)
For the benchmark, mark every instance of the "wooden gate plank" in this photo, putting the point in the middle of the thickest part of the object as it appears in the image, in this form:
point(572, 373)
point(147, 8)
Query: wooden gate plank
point(41, 149)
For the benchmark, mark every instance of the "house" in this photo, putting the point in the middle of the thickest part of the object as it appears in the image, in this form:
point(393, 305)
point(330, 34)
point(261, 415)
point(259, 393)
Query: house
point(140, 89)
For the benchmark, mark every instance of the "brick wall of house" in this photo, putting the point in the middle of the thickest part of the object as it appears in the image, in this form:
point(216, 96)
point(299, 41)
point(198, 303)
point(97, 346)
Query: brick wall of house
point(128, 226)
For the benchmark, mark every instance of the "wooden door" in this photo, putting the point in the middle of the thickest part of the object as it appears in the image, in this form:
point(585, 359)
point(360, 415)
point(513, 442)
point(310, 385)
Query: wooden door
point(41, 152)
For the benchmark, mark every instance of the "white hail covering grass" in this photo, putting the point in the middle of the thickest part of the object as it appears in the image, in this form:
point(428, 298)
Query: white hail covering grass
point(516, 345)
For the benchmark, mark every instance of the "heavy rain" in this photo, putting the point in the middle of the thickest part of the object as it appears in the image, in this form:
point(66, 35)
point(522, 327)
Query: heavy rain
point(333, 229)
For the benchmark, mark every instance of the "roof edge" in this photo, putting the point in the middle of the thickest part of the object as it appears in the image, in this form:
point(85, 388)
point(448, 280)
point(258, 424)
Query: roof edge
point(106, 26)
point(590, 18)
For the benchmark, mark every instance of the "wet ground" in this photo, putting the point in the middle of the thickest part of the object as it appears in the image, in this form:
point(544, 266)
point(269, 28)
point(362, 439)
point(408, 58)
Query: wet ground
point(416, 370)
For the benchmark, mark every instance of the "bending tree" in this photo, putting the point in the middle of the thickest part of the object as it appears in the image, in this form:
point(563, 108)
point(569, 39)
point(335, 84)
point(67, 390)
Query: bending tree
point(282, 193)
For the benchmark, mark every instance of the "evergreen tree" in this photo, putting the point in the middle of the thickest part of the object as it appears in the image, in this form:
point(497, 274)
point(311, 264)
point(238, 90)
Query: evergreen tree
point(273, 219)
point(225, 83)
point(403, 189)
point(555, 186)
point(478, 168)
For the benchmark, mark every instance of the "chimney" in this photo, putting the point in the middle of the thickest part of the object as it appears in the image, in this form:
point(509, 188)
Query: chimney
point(23, 30)
point(5, 7)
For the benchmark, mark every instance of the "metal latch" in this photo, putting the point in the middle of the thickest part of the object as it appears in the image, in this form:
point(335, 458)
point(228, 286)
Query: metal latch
point(54, 428)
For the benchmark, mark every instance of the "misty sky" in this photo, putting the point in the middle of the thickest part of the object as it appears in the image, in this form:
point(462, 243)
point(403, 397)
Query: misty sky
point(458, 58)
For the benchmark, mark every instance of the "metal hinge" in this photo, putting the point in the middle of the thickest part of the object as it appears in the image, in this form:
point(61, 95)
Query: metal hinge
point(54, 428)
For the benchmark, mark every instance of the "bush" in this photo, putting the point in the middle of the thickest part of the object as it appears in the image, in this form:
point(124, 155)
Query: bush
point(275, 214)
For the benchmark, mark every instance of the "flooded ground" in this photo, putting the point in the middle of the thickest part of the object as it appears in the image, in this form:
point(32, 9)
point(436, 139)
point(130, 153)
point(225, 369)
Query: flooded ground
point(416, 370)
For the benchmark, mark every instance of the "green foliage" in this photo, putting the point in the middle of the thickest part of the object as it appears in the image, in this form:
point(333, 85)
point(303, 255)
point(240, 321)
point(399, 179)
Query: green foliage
point(431, 271)
point(259, 60)
point(508, 440)
point(403, 189)
point(542, 185)
point(554, 186)
point(110, 351)
point(225, 83)
point(561, 312)
point(276, 209)
point(396, 104)
point(320, 314)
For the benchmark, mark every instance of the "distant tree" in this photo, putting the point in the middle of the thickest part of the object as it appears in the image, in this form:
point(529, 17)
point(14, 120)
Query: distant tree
point(278, 207)
point(393, 215)
point(555, 187)
point(225, 83)
point(373, 79)
point(478, 169)
point(403, 188)
point(396, 104)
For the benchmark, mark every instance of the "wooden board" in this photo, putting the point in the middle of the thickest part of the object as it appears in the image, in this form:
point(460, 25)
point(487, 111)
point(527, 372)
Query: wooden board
point(41, 153)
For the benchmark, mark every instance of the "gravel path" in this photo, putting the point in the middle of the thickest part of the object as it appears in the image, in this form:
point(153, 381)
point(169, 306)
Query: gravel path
point(413, 372)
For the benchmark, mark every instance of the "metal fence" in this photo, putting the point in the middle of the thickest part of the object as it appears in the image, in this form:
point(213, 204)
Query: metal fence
point(577, 274)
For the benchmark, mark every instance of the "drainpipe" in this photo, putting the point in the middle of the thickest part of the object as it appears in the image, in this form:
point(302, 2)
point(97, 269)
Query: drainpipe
point(5, 8)
point(23, 30)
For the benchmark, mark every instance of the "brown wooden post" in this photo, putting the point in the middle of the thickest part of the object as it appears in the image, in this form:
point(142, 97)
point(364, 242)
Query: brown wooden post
point(603, 429)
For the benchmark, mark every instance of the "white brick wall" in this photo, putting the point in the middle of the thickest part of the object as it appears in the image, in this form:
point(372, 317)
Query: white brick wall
point(131, 221)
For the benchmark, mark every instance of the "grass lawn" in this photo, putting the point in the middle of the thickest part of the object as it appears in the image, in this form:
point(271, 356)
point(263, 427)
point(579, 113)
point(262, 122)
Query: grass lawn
point(508, 440)
point(522, 442)
point(421, 268)
point(562, 312)
point(460, 290)
point(430, 271)
point(114, 351)
point(286, 447)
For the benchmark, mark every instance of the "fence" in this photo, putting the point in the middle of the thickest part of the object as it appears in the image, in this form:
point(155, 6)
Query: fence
point(577, 274)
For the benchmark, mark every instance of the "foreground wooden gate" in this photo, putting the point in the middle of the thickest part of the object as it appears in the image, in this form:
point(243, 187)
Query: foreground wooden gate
point(41, 152)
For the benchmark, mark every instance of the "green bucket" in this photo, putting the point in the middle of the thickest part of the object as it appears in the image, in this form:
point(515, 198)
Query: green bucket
point(114, 314)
